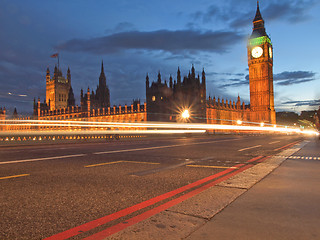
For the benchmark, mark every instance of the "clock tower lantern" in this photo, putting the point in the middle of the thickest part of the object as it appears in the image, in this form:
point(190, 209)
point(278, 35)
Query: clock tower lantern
point(260, 62)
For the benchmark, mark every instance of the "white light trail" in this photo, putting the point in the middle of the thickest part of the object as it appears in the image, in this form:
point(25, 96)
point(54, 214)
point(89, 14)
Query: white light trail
point(184, 127)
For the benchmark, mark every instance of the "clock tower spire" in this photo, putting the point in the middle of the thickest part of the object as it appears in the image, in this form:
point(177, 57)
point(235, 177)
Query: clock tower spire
point(260, 62)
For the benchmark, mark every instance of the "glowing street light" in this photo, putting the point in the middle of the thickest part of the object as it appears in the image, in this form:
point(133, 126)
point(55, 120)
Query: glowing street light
point(261, 124)
point(239, 122)
point(185, 114)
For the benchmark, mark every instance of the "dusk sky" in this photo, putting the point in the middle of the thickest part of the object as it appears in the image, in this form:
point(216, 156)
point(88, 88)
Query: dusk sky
point(136, 37)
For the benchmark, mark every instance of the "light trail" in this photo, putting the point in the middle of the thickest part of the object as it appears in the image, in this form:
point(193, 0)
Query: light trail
point(96, 132)
point(183, 127)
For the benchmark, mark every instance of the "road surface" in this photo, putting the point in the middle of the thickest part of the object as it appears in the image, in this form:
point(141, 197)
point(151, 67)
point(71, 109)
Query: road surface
point(50, 189)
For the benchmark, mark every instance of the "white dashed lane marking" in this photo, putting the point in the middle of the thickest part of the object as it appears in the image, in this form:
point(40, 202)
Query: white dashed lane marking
point(303, 157)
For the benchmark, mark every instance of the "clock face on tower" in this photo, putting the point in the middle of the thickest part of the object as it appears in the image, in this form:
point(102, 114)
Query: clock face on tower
point(257, 52)
point(270, 52)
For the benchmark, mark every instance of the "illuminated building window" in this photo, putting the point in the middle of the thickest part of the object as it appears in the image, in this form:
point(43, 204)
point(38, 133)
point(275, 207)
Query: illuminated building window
point(153, 98)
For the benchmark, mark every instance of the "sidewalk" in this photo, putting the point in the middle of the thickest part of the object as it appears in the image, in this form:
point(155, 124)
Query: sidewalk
point(284, 205)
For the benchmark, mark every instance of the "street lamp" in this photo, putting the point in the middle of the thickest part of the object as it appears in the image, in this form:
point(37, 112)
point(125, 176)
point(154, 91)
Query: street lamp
point(261, 124)
point(239, 122)
point(185, 114)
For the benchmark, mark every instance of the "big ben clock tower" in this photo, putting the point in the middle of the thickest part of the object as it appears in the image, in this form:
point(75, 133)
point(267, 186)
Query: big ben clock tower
point(260, 62)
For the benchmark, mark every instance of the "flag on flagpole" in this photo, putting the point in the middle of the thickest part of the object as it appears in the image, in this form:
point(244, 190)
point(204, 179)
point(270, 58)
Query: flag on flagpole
point(55, 55)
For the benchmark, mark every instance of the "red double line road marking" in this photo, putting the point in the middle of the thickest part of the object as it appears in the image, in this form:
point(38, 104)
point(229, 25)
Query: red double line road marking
point(254, 159)
point(263, 159)
point(98, 222)
point(116, 228)
point(287, 146)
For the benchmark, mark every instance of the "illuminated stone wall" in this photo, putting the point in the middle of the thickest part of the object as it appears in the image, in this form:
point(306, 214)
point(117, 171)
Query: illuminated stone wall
point(227, 112)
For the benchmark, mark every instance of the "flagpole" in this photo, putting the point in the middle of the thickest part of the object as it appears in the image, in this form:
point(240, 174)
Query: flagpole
point(56, 55)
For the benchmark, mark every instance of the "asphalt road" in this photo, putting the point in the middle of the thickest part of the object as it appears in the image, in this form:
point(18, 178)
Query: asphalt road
point(48, 189)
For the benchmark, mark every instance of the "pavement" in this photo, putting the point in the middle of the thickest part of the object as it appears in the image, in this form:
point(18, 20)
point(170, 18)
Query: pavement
point(284, 205)
point(276, 199)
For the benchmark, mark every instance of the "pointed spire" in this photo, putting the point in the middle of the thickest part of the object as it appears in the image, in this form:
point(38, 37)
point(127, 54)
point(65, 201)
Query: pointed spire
point(258, 25)
point(71, 100)
point(170, 83)
point(159, 77)
point(55, 72)
point(258, 16)
point(102, 78)
point(69, 75)
point(203, 77)
point(147, 81)
point(178, 77)
point(193, 73)
point(102, 69)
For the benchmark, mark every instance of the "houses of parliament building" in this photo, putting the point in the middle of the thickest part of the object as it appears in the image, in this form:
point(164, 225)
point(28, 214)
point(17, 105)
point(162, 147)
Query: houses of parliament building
point(165, 100)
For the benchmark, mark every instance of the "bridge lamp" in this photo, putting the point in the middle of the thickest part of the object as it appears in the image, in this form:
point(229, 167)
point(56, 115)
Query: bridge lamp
point(261, 124)
point(239, 122)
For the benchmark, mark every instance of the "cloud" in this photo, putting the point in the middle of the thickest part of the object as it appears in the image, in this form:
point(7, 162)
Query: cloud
point(310, 103)
point(283, 79)
point(288, 10)
point(176, 42)
point(292, 11)
point(121, 27)
point(289, 78)
point(236, 82)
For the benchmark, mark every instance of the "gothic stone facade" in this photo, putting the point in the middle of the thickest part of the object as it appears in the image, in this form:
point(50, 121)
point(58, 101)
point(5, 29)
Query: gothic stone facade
point(59, 92)
point(100, 98)
point(260, 62)
point(164, 103)
point(95, 106)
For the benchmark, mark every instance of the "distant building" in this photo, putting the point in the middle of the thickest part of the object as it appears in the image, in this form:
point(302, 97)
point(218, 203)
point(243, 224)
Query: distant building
point(260, 62)
point(317, 119)
point(94, 106)
point(308, 115)
point(287, 118)
point(2, 113)
point(59, 93)
point(2, 117)
point(166, 101)
point(100, 98)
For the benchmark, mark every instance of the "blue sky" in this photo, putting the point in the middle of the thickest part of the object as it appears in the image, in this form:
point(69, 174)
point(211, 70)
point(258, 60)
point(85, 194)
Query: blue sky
point(136, 37)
